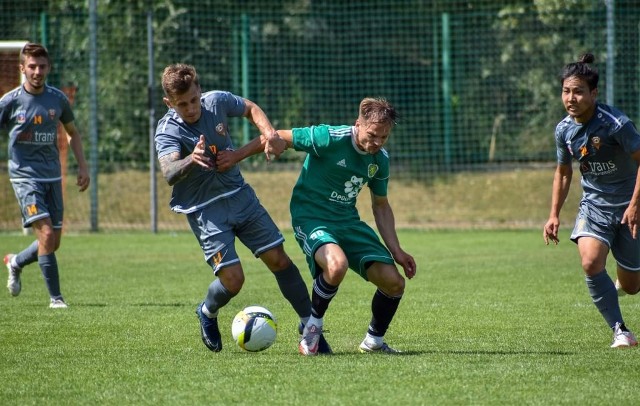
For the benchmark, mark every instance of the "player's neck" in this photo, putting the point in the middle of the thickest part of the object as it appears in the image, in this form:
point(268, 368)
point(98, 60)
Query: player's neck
point(33, 90)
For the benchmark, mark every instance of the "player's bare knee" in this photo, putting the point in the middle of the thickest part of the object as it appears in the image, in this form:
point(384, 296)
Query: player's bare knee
point(232, 281)
point(337, 266)
point(393, 286)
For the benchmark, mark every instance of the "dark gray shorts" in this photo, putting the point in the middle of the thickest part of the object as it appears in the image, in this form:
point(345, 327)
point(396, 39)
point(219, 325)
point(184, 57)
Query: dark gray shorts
point(240, 215)
point(39, 200)
point(604, 225)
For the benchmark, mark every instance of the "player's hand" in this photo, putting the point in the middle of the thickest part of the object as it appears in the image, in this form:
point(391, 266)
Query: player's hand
point(407, 262)
point(199, 155)
point(550, 231)
point(226, 159)
point(275, 146)
point(631, 219)
point(83, 179)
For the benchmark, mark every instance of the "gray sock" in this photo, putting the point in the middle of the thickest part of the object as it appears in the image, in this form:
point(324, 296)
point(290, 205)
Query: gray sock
point(604, 296)
point(294, 290)
point(217, 297)
point(27, 256)
point(49, 267)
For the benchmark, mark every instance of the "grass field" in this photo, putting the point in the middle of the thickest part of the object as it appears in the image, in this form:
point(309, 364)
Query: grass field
point(493, 317)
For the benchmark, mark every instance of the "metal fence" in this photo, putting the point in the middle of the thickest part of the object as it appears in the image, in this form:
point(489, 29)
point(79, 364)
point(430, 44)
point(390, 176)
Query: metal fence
point(475, 81)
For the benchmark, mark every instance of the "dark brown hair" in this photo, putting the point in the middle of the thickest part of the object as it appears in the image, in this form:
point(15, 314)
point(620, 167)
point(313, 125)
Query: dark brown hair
point(33, 50)
point(178, 78)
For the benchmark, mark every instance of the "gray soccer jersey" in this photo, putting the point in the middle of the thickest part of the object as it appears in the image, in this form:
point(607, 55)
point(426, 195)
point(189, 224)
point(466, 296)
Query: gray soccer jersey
point(32, 121)
point(333, 174)
point(602, 146)
point(202, 186)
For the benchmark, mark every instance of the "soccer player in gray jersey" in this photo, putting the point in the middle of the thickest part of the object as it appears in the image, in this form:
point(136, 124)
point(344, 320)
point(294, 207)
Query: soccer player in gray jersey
point(606, 145)
point(31, 113)
point(340, 161)
point(220, 205)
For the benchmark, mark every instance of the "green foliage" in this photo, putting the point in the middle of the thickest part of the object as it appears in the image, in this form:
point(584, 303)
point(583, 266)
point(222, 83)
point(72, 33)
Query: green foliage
point(311, 62)
point(493, 317)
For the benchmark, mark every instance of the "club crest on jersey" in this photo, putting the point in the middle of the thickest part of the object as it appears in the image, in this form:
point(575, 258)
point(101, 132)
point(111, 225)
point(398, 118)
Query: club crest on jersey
point(52, 114)
point(595, 141)
point(22, 117)
point(372, 170)
point(584, 152)
point(221, 129)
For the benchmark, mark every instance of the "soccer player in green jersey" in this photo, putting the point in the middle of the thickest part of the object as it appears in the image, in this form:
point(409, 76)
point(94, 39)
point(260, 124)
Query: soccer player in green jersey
point(31, 112)
point(340, 161)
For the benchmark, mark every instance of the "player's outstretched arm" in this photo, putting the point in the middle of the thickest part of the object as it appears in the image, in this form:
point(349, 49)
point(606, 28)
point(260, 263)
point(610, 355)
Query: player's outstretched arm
point(226, 159)
point(258, 118)
point(385, 221)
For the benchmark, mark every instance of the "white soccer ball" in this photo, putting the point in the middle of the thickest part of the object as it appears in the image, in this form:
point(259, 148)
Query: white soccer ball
point(254, 328)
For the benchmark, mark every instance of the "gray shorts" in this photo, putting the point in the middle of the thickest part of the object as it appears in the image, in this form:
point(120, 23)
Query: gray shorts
point(39, 200)
point(604, 225)
point(241, 214)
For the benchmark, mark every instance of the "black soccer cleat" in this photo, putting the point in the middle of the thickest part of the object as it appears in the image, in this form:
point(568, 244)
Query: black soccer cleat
point(209, 330)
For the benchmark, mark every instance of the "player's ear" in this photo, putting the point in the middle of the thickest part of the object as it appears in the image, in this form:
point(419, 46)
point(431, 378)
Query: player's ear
point(167, 102)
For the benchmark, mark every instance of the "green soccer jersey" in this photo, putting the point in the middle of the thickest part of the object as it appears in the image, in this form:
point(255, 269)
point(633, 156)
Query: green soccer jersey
point(333, 174)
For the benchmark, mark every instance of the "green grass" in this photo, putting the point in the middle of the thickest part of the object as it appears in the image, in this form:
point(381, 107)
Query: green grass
point(493, 317)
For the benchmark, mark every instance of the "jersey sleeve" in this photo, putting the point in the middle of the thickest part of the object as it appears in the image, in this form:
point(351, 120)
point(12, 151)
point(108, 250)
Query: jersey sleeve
point(562, 151)
point(310, 139)
point(233, 105)
point(5, 109)
point(164, 141)
point(66, 116)
point(628, 137)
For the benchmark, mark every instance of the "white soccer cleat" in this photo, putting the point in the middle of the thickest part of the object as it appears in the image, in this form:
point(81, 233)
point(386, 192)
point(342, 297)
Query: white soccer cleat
point(13, 281)
point(619, 289)
point(57, 304)
point(623, 339)
point(310, 339)
point(383, 349)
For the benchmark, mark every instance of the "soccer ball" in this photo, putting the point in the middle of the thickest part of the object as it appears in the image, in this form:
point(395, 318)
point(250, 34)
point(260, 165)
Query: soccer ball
point(254, 328)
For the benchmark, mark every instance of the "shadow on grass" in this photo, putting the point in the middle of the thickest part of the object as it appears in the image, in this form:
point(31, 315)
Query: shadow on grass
point(456, 352)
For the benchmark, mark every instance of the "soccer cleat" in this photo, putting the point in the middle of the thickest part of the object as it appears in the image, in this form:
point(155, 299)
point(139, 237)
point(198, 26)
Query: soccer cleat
point(323, 346)
point(13, 282)
point(622, 338)
point(209, 330)
point(57, 304)
point(383, 349)
point(310, 339)
point(619, 289)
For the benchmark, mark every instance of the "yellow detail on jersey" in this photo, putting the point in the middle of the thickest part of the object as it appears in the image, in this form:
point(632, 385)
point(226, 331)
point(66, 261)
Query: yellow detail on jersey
point(32, 210)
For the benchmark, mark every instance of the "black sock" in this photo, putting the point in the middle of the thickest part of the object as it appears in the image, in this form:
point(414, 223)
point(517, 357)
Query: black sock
point(321, 296)
point(383, 308)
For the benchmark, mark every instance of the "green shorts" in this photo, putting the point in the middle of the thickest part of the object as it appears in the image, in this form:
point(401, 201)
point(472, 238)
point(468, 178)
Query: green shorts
point(360, 243)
